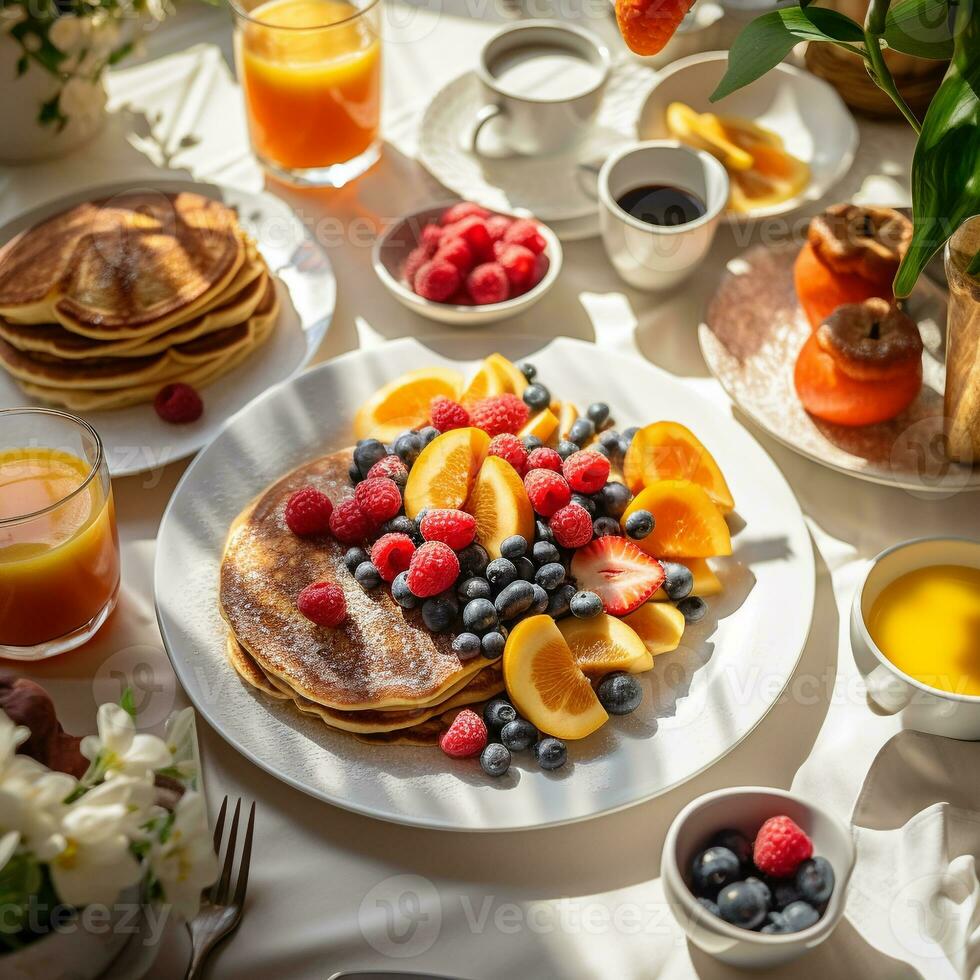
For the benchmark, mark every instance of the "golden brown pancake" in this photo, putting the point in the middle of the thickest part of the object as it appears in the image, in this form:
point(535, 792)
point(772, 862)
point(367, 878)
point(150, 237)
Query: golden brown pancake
point(381, 657)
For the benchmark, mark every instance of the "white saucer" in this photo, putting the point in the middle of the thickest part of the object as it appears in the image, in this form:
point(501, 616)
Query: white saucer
point(556, 189)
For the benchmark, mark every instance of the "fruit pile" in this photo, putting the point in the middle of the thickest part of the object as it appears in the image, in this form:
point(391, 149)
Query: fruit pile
point(529, 531)
point(472, 257)
point(773, 885)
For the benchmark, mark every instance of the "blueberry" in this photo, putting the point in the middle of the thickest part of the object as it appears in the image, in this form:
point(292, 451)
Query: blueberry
point(401, 525)
point(784, 893)
point(466, 645)
point(531, 443)
point(615, 497)
point(763, 889)
point(427, 434)
point(550, 753)
point(550, 576)
point(493, 644)
point(712, 869)
point(542, 532)
point(710, 906)
point(501, 572)
point(439, 613)
point(693, 608)
point(585, 605)
point(815, 880)
point(495, 759)
point(513, 547)
point(559, 601)
point(525, 569)
point(566, 448)
point(679, 581)
point(736, 842)
point(366, 453)
point(528, 370)
point(597, 413)
point(629, 433)
point(401, 593)
point(609, 439)
point(776, 924)
point(544, 552)
point(639, 524)
point(407, 447)
point(518, 735)
point(536, 397)
point(354, 557)
point(513, 599)
point(473, 560)
point(479, 615)
point(742, 904)
point(600, 448)
point(581, 431)
point(496, 714)
point(418, 519)
point(619, 693)
point(584, 501)
point(604, 527)
point(368, 577)
point(354, 474)
point(474, 588)
point(541, 601)
point(799, 916)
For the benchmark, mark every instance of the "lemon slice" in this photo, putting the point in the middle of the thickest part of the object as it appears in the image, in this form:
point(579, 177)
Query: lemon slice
point(658, 625)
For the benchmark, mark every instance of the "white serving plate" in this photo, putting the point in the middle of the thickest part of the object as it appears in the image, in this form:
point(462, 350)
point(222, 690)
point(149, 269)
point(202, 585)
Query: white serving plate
point(135, 438)
point(699, 702)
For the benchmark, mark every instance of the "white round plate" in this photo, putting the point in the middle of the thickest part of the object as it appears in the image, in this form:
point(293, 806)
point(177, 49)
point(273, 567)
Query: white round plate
point(135, 438)
point(699, 701)
point(557, 189)
point(804, 110)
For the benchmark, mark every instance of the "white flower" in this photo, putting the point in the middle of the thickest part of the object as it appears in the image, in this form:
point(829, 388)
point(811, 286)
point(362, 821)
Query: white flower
point(69, 33)
point(117, 747)
point(181, 740)
point(185, 862)
point(10, 17)
point(11, 738)
point(8, 844)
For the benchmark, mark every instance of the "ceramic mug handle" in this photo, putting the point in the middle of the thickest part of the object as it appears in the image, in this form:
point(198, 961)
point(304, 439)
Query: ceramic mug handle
point(887, 690)
point(488, 112)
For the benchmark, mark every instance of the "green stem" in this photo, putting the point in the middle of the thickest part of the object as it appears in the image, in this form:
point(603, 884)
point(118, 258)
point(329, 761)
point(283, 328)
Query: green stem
point(874, 29)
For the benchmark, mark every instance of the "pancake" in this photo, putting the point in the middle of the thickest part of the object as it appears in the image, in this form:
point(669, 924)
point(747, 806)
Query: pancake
point(381, 657)
point(130, 266)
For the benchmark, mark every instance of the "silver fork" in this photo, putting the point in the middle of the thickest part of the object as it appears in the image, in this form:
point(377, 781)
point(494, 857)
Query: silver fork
point(221, 911)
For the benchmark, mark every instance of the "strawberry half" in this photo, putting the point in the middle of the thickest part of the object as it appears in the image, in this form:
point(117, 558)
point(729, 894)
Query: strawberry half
point(618, 572)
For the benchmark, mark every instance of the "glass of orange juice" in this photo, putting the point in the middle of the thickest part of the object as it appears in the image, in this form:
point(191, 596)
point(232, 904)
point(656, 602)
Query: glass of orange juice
point(59, 550)
point(310, 71)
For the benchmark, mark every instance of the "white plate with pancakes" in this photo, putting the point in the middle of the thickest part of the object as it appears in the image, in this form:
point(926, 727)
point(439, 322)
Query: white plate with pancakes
point(110, 293)
point(699, 701)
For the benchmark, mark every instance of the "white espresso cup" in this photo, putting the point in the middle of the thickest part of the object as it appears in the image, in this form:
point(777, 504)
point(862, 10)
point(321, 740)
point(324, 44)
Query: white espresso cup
point(650, 256)
point(544, 80)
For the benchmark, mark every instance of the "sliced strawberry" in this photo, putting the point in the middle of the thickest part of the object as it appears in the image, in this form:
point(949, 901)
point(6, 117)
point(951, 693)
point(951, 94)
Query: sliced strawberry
point(618, 572)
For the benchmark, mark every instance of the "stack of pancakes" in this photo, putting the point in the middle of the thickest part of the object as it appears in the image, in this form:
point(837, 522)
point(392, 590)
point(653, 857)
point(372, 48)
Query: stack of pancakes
point(105, 303)
point(382, 674)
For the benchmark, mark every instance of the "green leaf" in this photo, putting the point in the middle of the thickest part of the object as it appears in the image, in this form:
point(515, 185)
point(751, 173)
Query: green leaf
point(765, 41)
point(127, 702)
point(946, 164)
point(20, 878)
point(920, 28)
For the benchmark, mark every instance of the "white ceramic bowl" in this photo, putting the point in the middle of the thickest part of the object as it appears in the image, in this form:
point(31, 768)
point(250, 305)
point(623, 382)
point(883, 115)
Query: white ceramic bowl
point(746, 808)
point(804, 110)
point(391, 249)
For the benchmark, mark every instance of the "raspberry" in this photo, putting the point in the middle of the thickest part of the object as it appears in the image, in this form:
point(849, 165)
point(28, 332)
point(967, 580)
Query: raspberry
point(437, 280)
point(466, 736)
point(547, 491)
point(647, 25)
point(544, 458)
point(541, 263)
point(464, 209)
point(497, 225)
point(525, 232)
point(586, 471)
point(433, 569)
point(350, 525)
point(416, 259)
point(391, 554)
point(445, 414)
point(488, 284)
point(780, 847)
point(453, 527)
point(571, 526)
point(308, 512)
point(430, 239)
point(474, 230)
point(517, 262)
point(178, 404)
point(391, 467)
point(457, 251)
point(499, 413)
point(378, 499)
point(507, 446)
point(323, 603)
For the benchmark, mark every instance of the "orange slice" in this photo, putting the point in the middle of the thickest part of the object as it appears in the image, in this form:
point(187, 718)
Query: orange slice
point(404, 403)
point(604, 643)
point(566, 416)
point(488, 380)
point(444, 473)
point(500, 505)
point(516, 382)
point(705, 581)
point(688, 523)
point(545, 684)
point(542, 425)
point(671, 451)
point(658, 625)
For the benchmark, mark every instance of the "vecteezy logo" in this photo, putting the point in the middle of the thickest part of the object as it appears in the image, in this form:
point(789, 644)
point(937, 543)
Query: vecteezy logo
point(401, 916)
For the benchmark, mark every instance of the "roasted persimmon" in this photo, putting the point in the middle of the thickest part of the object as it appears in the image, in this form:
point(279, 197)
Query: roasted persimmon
point(820, 290)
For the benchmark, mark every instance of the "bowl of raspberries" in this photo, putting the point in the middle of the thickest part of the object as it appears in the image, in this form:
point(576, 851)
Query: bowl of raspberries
point(464, 265)
point(756, 876)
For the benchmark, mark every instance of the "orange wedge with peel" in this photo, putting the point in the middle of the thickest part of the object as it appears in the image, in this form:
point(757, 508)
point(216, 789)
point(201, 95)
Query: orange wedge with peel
point(445, 471)
point(542, 425)
point(706, 582)
point(566, 416)
point(404, 403)
point(671, 451)
point(546, 685)
point(604, 643)
point(687, 521)
point(500, 505)
point(516, 382)
point(488, 380)
point(659, 626)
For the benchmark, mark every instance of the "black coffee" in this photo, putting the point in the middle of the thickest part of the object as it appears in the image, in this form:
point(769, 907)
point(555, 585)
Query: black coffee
point(662, 204)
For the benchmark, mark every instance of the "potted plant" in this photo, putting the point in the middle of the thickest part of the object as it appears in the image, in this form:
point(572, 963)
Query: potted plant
point(53, 56)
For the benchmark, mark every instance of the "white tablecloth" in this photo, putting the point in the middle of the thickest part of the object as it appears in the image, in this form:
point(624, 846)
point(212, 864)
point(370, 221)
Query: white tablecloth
point(331, 890)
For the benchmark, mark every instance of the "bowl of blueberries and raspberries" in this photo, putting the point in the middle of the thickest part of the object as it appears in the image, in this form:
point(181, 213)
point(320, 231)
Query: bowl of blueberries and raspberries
point(756, 876)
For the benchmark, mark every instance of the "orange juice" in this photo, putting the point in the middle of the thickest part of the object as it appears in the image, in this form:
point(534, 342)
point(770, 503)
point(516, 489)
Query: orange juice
point(59, 553)
point(311, 74)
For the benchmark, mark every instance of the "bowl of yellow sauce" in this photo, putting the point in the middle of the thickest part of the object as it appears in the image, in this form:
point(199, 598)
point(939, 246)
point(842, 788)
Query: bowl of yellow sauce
point(915, 632)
